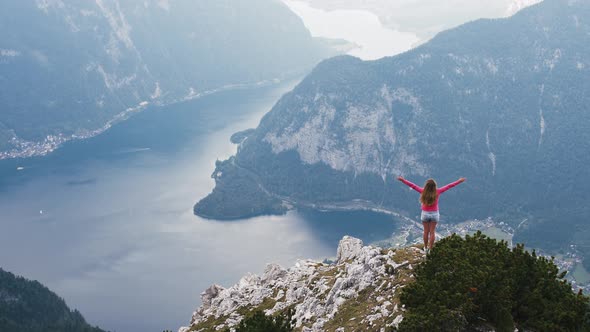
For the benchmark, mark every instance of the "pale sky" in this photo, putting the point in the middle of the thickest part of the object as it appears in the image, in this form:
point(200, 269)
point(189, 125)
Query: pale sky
point(388, 27)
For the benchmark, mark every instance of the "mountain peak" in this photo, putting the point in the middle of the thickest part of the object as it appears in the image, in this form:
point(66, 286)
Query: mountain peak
point(324, 296)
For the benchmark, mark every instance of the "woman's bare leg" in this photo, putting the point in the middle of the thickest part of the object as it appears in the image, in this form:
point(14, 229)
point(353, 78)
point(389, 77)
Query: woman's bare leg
point(426, 233)
point(432, 234)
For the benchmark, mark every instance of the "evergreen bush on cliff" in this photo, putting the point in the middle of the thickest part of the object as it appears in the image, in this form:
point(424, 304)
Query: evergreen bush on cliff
point(259, 322)
point(477, 280)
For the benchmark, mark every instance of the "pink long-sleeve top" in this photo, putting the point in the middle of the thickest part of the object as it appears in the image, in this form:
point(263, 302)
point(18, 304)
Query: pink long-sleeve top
point(433, 207)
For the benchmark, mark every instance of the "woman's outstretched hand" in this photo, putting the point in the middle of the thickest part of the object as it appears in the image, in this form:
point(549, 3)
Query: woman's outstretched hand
point(400, 178)
point(462, 179)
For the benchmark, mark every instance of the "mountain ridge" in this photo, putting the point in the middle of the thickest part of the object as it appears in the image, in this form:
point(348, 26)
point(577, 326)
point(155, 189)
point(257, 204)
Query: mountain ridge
point(502, 102)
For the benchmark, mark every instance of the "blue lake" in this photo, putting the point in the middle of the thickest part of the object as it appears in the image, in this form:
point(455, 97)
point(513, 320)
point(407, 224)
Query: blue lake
point(107, 222)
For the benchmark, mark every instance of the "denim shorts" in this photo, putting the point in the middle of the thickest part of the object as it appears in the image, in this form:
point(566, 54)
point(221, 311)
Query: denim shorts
point(428, 216)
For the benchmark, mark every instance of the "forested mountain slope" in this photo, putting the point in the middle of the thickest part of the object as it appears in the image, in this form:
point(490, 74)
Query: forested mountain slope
point(503, 102)
point(28, 306)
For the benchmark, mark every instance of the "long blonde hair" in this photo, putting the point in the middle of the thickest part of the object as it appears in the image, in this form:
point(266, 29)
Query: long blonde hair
point(429, 194)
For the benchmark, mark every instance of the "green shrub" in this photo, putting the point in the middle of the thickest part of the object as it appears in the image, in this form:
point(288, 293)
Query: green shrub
point(478, 280)
point(259, 322)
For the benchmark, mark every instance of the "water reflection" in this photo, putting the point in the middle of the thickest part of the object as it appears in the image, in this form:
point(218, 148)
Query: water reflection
point(362, 28)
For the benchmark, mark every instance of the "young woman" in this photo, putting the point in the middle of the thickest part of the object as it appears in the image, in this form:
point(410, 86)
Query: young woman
point(429, 200)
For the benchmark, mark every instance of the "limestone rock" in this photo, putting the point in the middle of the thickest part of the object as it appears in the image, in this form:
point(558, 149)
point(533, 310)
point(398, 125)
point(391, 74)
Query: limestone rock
point(321, 294)
point(348, 248)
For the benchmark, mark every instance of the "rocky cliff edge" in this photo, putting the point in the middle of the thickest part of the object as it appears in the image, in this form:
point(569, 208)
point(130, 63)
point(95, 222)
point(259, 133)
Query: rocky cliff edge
point(360, 290)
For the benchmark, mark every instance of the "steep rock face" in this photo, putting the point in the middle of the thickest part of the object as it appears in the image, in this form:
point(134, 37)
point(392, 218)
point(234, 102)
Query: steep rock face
point(70, 69)
point(503, 102)
point(359, 290)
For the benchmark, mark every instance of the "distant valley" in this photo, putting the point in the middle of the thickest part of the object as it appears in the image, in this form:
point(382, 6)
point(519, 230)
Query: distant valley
point(80, 67)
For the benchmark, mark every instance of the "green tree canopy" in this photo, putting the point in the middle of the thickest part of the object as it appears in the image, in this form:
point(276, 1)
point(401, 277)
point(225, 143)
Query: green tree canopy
point(259, 322)
point(477, 280)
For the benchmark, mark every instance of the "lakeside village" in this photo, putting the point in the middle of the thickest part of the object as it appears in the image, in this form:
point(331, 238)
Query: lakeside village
point(570, 261)
point(25, 149)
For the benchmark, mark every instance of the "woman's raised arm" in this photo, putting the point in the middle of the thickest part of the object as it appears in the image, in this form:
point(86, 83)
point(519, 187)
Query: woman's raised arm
point(410, 184)
point(451, 185)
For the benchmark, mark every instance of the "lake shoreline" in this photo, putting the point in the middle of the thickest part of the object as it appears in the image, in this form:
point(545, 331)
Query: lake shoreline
point(29, 149)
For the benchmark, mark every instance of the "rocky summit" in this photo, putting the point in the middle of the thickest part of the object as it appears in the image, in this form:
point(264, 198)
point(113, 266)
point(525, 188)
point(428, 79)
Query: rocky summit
point(360, 290)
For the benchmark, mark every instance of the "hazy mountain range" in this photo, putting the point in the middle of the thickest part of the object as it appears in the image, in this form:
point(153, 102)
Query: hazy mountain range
point(503, 102)
point(71, 69)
